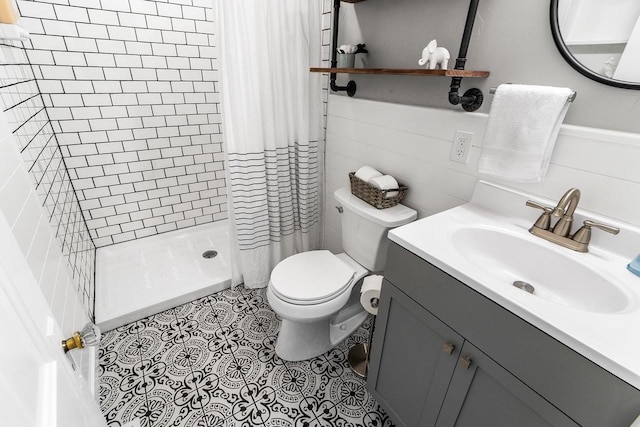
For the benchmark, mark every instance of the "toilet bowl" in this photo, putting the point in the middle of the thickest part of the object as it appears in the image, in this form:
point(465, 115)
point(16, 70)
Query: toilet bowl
point(307, 290)
point(316, 293)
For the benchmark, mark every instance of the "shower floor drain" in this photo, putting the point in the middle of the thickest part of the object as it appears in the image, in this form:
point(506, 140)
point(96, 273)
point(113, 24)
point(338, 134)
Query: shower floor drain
point(210, 254)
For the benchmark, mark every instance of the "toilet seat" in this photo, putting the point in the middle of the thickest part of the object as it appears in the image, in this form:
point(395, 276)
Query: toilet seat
point(311, 277)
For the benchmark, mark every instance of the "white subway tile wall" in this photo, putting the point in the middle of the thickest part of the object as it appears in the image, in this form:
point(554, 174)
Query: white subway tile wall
point(131, 88)
point(51, 188)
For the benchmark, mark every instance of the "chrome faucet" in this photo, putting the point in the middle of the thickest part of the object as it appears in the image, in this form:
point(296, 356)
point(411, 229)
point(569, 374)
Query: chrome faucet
point(561, 232)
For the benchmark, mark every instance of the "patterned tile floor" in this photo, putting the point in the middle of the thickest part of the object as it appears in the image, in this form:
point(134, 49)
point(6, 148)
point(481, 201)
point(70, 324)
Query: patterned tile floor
point(212, 362)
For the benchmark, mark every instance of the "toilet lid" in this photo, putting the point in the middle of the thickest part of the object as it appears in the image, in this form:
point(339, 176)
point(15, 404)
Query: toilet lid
point(311, 277)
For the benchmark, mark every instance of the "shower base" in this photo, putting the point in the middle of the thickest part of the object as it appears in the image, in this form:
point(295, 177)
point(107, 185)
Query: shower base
point(146, 276)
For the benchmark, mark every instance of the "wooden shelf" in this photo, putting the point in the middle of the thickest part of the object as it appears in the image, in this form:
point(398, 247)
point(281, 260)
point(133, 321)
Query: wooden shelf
point(403, 71)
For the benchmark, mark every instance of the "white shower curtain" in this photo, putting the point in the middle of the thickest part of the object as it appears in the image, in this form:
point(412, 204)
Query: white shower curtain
point(272, 115)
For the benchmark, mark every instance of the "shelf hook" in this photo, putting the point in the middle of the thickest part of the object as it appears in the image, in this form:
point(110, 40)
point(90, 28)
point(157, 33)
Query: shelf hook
point(470, 101)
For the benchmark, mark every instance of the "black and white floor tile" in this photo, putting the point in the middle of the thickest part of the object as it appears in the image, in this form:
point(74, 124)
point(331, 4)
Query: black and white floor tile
point(212, 362)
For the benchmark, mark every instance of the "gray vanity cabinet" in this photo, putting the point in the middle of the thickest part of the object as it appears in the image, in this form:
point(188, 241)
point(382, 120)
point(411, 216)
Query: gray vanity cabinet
point(484, 394)
point(496, 370)
point(413, 368)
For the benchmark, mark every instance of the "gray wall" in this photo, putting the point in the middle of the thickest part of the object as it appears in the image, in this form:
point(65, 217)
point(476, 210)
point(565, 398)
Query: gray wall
point(512, 39)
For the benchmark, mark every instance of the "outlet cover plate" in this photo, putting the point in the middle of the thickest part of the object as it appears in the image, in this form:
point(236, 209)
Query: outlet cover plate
point(462, 142)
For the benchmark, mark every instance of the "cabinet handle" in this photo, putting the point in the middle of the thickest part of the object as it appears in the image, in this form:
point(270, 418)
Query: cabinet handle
point(465, 362)
point(448, 347)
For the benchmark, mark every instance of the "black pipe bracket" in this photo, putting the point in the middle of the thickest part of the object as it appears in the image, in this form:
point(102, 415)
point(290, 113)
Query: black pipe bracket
point(472, 98)
point(351, 87)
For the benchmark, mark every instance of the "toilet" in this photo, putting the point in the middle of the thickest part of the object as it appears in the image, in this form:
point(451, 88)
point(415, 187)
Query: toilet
point(314, 292)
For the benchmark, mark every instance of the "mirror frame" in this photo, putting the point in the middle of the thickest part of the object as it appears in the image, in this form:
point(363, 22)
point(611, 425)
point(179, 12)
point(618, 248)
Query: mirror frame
point(568, 56)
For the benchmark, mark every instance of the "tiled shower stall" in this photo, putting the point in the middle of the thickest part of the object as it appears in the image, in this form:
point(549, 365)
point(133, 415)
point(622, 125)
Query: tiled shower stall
point(115, 108)
point(132, 91)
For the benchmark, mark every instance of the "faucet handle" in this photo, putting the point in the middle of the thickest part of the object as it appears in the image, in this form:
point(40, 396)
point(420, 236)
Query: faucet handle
point(544, 221)
point(603, 227)
point(537, 205)
point(583, 235)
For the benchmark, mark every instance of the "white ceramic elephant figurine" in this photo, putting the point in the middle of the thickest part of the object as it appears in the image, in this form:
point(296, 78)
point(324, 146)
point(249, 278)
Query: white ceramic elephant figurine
point(434, 56)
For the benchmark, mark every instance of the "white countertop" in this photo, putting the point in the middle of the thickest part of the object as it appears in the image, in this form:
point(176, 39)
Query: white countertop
point(611, 340)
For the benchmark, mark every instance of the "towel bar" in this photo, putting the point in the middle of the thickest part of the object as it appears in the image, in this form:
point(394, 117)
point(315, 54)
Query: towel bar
point(572, 97)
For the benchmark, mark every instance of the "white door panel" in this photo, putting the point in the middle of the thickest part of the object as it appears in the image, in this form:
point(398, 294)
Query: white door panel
point(38, 386)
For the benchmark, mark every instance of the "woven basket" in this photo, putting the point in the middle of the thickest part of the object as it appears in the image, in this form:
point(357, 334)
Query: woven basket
point(374, 196)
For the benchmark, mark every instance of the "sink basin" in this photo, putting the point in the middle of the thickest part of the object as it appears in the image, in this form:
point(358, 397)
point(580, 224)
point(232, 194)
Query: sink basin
point(555, 276)
point(587, 301)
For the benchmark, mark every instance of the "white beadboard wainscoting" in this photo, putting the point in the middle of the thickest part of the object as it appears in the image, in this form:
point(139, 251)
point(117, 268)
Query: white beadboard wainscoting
point(413, 144)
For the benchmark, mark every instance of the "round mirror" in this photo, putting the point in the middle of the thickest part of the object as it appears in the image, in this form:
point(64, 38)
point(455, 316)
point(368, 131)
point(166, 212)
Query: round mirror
point(600, 39)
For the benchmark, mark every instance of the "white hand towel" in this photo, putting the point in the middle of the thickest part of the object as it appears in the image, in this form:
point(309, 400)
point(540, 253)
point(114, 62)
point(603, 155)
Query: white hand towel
point(386, 182)
point(524, 122)
point(367, 173)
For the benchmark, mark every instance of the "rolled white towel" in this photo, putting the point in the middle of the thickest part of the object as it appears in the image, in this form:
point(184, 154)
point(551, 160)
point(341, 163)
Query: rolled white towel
point(386, 182)
point(367, 173)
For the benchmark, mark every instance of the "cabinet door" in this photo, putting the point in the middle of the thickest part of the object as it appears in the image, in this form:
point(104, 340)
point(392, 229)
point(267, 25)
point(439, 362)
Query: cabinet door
point(484, 394)
point(413, 356)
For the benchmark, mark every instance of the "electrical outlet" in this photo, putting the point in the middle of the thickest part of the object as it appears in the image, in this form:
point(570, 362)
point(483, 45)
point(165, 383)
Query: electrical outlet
point(461, 148)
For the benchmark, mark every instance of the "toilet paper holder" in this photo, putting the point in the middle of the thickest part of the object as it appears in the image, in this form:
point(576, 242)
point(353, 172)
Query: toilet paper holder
point(358, 357)
point(359, 354)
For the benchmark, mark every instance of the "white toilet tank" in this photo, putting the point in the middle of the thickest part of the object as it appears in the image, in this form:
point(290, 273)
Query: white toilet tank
point(365, 228)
